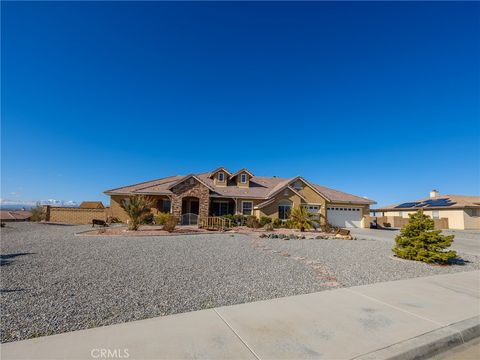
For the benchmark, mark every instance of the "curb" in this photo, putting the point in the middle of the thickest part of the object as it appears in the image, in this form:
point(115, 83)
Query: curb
point(429, 344)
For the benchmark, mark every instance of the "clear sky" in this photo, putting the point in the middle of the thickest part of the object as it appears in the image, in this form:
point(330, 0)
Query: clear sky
point(376, 99)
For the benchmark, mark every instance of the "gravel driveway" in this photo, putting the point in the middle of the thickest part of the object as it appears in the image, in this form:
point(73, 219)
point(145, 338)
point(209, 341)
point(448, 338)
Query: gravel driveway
point(53, 281)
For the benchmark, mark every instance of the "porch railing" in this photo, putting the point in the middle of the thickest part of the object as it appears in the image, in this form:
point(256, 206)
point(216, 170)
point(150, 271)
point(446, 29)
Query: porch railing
point(215, 223)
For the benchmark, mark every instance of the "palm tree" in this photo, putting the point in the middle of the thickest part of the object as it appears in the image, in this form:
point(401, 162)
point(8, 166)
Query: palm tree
point(136, 207)
point(302, 219)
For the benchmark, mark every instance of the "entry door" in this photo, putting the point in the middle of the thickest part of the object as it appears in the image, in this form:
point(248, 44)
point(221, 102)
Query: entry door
point(194, 207)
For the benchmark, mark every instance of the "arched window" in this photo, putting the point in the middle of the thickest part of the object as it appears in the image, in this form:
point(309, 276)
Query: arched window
point(284, 209)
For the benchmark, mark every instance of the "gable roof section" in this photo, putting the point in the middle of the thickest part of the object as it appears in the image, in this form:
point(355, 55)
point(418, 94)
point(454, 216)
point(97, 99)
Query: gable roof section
point(244, 170)
point(185, 178)
point(158, 186)
point(221, 168)
point(286, 184)
point(261, 187)
point(436, 203)
point(91, 205)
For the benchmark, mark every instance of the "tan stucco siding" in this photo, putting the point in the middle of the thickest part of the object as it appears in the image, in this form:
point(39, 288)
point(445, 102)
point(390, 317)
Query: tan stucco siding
point(117, 211)
point(116, 208)
point(457, 218)
point(471, 222)
point(271, 209)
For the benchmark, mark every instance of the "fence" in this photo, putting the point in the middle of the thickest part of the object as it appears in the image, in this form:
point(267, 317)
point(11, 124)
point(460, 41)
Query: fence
point(215, 223)
point(399, 222)
point(74, 215)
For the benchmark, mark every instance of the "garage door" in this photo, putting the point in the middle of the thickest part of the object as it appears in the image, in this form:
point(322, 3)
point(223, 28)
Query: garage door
point(344, 217)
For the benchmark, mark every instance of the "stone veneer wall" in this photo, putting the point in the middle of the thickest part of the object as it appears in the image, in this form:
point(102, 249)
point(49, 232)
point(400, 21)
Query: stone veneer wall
point(186, 189)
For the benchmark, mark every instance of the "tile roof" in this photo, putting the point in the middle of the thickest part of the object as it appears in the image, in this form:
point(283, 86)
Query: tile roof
point(261, 187)
point(438, 202)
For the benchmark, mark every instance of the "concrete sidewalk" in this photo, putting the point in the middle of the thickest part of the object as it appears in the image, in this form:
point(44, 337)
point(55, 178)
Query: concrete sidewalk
point(365, 322)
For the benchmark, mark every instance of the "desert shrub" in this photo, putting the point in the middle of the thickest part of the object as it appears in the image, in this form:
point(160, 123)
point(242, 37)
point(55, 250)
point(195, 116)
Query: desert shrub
point(148, 219)
point(170, 224)
point(264, 220)
point(137, 208)
point(252, 222)
point(301, 219)
point(162, 217)
point(239, 219)
point(288, 224)
point(268, 226)
point(38, 213)
point(277, 223)
point(419, 241)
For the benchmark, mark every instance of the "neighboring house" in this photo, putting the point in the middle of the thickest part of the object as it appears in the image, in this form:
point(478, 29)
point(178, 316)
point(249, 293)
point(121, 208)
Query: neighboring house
point(462, 212)
point(92, 205)
point(15, 215)
point(222, 192)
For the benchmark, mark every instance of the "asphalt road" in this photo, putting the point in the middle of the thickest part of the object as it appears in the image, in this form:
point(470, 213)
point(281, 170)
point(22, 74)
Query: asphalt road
point(466, 241)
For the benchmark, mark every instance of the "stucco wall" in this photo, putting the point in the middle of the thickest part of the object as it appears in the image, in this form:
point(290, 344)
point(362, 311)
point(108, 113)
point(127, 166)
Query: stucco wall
point(471, 222)
point(76, 215)
point(456, 218)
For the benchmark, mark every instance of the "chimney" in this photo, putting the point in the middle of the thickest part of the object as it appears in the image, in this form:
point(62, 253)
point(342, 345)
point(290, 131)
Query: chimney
point(434, 193)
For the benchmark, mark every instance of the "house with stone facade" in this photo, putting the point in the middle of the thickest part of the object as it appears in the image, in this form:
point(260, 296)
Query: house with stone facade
point(221, 192)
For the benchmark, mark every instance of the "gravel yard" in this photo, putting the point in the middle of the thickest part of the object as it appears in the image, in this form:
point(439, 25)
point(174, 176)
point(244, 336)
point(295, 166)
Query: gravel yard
point(53, 281)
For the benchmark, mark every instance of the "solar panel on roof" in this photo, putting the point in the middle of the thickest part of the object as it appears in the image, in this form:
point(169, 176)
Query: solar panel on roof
point(407, 205)
point(439, 202)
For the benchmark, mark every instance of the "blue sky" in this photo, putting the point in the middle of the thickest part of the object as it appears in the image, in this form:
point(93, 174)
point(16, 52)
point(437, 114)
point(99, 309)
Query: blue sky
point(375, 99)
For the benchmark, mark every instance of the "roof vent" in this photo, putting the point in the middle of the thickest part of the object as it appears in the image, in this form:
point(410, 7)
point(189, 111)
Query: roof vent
point(434, 193)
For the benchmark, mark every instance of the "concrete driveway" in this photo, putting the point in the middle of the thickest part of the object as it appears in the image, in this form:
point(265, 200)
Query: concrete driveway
point(466, 241)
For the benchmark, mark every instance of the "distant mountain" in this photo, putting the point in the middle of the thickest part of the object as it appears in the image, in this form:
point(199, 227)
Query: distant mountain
point(6, 204)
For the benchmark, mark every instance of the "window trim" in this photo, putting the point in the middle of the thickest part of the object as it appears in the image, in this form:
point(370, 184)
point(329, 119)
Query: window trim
point(221, 176)
point(251, 207)
point(437, 214)
point(242, 177)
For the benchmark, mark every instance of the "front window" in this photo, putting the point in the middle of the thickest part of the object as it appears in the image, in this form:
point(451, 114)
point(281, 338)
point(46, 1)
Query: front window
point(247, 207)
point(243, 178)
point(220, 208)
point(284, 211)
point(435, 214)
point(165, 206)
point(221, 176)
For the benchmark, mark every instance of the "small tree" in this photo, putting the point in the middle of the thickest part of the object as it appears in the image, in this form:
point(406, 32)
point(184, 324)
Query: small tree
point(38, 213)
point(137, 208)
point(301, 219)
point(419, 241)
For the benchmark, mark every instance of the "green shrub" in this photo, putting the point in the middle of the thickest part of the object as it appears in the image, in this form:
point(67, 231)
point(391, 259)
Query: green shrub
point(239, 219)
point(264, 220)
point(289, 224)
point(162, 217)
point(277, 223)
point(137, 208)
point(252, 222)
point(301, 219)
point(419, 241)
point(170, 224)
point(38, 213)
point(147, 219)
